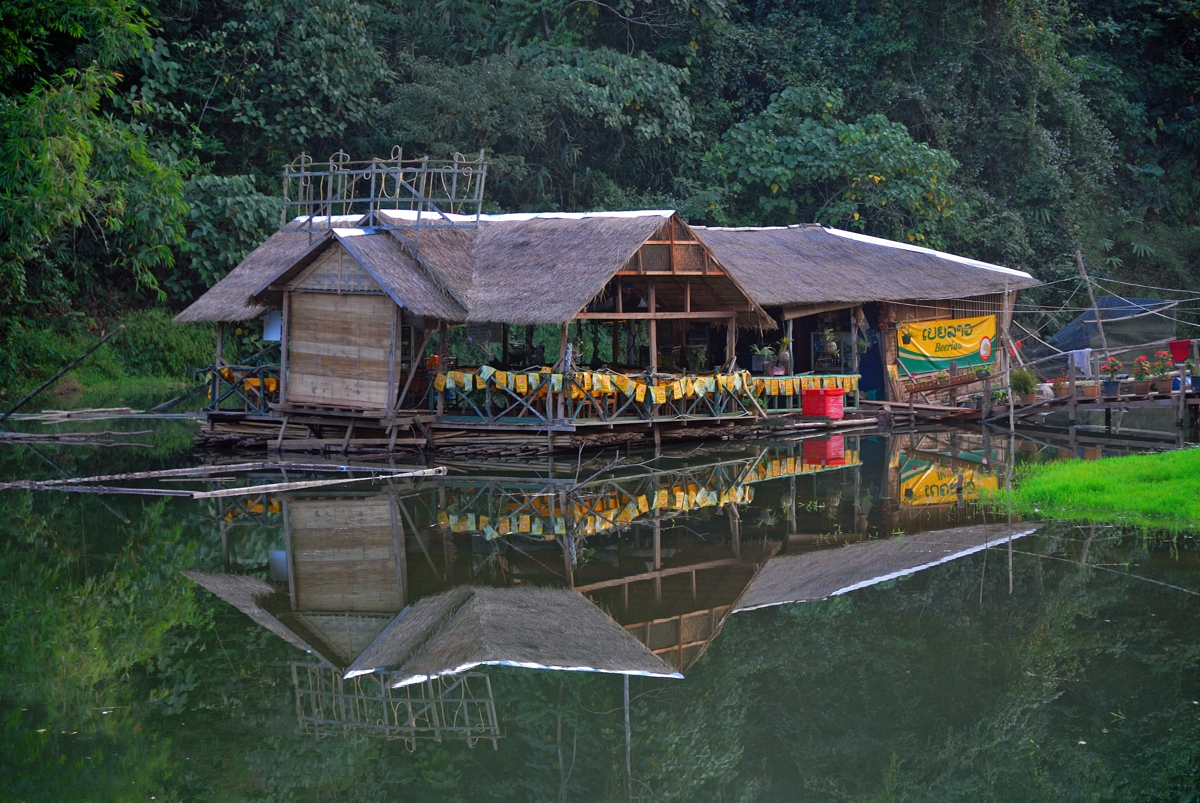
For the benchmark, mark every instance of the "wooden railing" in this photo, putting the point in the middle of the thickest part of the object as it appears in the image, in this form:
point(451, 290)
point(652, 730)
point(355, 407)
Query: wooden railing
point(547, 398)
point(248, 388)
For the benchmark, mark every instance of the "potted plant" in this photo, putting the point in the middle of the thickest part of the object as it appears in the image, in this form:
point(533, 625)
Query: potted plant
point(1162, 371)
point(1088, 389)
point(862, 344)
point(942, 377)
point(1024, 385)
point(763, 356)
point(1141, 375)
point(784, 356)
point(1060, 388)
point(1111, 367)
point(830, 343)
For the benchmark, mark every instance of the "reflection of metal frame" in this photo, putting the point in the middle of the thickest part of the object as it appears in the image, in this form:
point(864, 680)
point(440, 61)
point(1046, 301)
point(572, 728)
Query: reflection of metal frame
point(454, 706)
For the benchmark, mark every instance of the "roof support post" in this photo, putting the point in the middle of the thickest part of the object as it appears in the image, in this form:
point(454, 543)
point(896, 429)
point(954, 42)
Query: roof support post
point(283, 347)
point(731, 344)
point(220, 359)
point(653, 330)
point(443, 353)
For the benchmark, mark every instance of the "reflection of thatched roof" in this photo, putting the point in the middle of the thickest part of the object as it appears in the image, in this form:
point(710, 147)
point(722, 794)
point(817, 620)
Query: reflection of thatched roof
point(798, 265)
point(538, 628)
point(829, 572)
point(248, 595)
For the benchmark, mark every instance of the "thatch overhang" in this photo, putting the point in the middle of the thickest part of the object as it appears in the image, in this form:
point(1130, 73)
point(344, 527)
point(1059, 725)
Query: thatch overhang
point(811, 265)
point(388, 261)
point(231, 299)
point(830, 572)
point(545, 268)
point(535, 628)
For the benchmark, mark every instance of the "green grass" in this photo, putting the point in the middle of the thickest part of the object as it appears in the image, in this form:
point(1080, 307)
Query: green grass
point(1151, 491)
point(149, 362)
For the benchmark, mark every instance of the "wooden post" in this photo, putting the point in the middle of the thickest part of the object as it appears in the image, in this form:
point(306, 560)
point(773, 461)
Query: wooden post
point(731, 344)
point(220, 361)
point(528, 346)
point(1183, 383)
point(791, 347)
point(1095, 309)
point(392, 380)
point(657, 559)
point(1071, 403)
point(443, 356)
point(504, 345)
point(283, 347)
point(653, 330)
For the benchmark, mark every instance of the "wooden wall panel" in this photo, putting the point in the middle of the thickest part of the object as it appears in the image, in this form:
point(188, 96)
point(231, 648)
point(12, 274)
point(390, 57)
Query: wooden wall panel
point(336, 271)
point(339, 350)
point(344, 555)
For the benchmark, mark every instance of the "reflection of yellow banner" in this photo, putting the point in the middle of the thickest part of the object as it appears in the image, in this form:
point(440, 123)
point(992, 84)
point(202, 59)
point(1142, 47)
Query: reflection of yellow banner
point(932, 345)
point(936, 485)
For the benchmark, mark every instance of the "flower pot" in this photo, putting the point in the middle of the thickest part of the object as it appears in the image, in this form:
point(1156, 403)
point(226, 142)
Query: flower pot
point(1027, 398)
point(1061, 393)
point(1163, 386)
point(1090, 391)
point(1141, 387)
point(1112, 388)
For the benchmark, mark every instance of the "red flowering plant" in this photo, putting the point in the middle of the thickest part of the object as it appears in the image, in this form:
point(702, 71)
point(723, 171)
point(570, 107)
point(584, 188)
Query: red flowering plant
point(1141, 367)
point(1163, 364)
point(1111, 367)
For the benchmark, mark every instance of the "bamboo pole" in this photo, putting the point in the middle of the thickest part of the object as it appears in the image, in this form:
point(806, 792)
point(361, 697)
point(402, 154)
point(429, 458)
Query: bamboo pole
point(29, 396)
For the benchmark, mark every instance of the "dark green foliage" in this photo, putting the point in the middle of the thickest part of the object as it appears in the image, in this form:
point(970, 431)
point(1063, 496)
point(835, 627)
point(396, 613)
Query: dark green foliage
point(1011, 132)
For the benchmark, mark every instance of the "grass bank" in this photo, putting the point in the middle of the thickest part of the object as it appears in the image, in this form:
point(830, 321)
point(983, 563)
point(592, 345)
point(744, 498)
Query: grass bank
point(150, 361)
point(1151, 491)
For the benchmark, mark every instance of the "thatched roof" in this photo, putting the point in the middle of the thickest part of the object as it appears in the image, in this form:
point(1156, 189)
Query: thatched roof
point(536, 628)
point(390, 263)
point(230, 300)
point(518, 269)
point(811, 264)
point(830, 572)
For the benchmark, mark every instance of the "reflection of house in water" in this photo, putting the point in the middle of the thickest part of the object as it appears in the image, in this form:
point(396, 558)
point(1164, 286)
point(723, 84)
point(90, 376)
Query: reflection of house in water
point(398, 596)
point(830, 572)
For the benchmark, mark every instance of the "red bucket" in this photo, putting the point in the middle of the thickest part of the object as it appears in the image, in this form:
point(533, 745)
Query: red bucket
point(1180, 350)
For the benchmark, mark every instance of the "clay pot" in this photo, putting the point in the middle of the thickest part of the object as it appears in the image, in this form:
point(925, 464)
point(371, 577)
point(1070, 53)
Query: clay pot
point(1162, 386)
point(1090, 391)
point(1141, 387)
point(1027, 398)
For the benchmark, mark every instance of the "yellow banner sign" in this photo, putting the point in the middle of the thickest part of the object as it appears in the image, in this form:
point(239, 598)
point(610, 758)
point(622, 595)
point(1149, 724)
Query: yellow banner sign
point(928, 346)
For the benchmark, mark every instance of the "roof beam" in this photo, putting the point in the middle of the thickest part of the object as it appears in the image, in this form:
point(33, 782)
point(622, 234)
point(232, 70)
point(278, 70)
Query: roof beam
point(815, 309)
point(698, 315)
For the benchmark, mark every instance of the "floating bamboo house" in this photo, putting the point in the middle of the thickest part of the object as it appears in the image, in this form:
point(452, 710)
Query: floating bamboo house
point(358, 283)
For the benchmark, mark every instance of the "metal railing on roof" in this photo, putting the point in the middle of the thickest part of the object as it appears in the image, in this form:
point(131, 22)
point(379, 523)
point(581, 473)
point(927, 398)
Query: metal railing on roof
point(418, 193)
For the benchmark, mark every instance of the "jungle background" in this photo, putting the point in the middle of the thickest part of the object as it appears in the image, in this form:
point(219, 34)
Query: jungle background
point(141, 145)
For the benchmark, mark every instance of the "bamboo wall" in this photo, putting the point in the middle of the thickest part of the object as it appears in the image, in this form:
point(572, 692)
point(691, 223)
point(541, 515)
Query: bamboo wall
point(340, 350)
point(346, 557)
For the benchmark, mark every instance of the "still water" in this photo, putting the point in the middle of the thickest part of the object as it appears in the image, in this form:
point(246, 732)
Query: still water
point(828, 620)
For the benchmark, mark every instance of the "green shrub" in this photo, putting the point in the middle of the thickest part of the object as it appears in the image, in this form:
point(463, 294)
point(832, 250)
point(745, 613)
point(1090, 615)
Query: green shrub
point(153, 345)
point(1023, 381)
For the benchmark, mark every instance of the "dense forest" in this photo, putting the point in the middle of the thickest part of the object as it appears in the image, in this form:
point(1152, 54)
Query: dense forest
point(141, 145)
